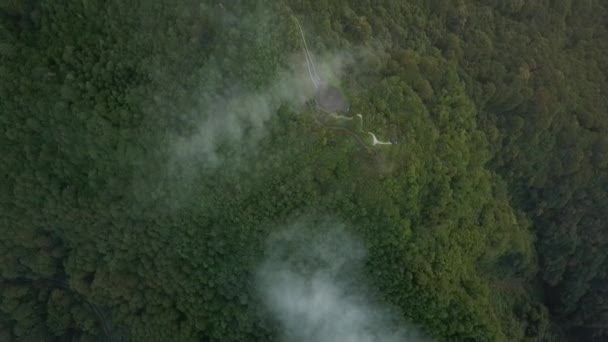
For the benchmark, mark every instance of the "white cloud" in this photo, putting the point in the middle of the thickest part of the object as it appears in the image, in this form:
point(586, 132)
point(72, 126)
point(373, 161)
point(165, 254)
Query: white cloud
point(312, 283)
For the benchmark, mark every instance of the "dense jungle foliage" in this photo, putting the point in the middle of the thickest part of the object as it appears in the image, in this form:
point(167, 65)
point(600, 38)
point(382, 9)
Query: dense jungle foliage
point(147, 155)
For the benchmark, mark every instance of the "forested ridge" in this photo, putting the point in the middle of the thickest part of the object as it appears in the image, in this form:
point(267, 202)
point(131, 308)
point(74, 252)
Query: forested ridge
point(150, 149)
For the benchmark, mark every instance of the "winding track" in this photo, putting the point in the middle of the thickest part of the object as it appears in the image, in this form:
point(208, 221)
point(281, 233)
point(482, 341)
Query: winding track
point(346, 130)
point(62, 284)
point(315, 79)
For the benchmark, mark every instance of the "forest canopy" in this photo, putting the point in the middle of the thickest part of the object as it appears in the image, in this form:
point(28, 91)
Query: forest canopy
point(155, 153)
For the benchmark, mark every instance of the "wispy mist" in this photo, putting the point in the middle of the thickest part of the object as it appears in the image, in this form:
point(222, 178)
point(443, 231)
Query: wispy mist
point(239, 117)
point(233, 112)
point(313, 283)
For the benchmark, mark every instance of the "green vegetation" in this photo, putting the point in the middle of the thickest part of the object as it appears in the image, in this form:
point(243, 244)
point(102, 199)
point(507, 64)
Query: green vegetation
point(124, 215)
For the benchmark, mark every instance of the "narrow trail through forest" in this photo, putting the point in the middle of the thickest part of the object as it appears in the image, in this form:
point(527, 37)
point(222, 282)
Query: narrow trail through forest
point(317, 82)
point(64, 285)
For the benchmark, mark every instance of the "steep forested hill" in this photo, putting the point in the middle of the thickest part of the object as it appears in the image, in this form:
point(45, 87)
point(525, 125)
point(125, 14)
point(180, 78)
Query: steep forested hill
point(150, 150)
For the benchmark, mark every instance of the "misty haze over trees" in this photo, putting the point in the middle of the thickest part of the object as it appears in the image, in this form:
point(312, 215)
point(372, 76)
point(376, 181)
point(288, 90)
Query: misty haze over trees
point(166, 177)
